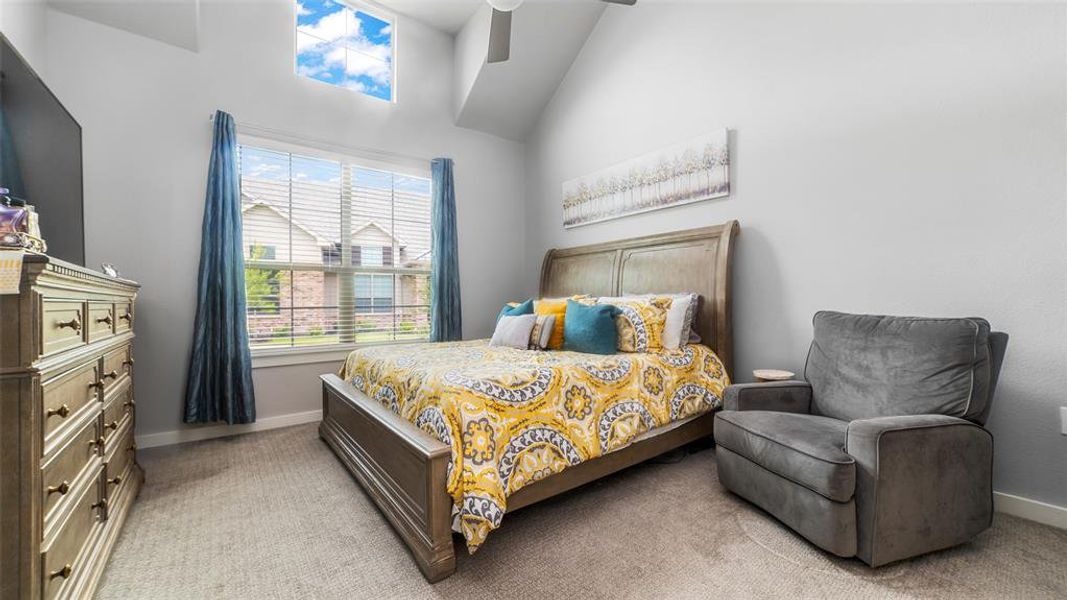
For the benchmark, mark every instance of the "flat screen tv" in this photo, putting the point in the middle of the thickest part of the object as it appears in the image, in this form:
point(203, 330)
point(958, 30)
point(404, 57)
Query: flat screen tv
point(41, 155)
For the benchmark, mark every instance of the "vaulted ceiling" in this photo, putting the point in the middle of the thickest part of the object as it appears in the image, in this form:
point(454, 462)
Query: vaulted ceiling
point(504, 99)
point(447, 15)
point(175, 22)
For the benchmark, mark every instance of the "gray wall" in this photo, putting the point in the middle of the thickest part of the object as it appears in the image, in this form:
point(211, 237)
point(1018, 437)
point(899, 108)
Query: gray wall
point(901, 159)
point(144, 109)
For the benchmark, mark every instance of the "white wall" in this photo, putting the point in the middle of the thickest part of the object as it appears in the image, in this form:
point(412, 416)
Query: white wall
point(144, 109)
point(900, 159)
point(23, 22)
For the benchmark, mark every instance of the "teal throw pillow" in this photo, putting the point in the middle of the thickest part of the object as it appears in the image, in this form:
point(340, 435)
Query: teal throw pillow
point(590, 328)
point(526, 308)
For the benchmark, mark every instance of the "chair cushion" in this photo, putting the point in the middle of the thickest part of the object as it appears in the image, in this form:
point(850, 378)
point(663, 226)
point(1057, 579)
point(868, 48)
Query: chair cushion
point(805, 449)
point(866, 366)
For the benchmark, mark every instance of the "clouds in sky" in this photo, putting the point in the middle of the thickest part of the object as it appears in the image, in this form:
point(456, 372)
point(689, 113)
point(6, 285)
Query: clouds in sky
point(271, 165)
point(345, 47)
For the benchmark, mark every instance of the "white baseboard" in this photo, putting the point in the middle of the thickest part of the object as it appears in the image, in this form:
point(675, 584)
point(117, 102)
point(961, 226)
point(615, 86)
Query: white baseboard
point(206, 432)
point(1017, 506)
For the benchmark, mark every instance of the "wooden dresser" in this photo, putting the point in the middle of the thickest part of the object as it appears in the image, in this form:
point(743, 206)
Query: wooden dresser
point(68, 468)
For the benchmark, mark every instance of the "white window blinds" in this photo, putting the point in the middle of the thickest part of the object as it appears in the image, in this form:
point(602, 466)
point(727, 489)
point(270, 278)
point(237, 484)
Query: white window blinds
point(335, 253)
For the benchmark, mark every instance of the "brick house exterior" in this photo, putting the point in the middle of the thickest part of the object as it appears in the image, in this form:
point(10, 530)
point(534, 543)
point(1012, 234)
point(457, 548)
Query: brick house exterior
point(302, 305)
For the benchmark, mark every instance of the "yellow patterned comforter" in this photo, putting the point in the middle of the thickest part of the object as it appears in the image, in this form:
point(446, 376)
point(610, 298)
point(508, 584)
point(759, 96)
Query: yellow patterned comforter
point(513, 417)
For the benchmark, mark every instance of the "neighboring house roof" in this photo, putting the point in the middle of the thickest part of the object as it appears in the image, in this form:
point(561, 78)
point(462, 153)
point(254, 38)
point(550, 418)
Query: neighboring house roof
point(253, 203)
point(249, 201)
point(369, 224)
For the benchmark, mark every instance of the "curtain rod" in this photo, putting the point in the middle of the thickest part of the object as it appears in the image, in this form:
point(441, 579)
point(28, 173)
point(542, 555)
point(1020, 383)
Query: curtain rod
point(298, 139)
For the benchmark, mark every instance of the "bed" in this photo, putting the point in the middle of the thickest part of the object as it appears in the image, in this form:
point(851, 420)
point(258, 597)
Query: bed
point(409, 473)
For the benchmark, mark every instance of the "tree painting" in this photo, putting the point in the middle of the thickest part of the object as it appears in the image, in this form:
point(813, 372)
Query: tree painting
point(689, 172)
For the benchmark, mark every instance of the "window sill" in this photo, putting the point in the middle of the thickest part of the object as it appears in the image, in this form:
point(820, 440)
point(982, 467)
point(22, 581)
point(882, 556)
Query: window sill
point(265, 358)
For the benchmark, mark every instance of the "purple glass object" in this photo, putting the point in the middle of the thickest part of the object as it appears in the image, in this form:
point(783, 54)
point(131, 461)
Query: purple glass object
point(14, 220)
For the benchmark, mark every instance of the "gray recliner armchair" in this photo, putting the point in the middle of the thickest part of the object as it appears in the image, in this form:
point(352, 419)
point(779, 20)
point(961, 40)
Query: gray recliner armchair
point(880, 453)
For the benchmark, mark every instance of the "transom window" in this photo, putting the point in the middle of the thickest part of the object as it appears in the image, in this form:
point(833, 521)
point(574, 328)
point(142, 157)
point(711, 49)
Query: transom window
point(345, 46)
point(338, 253)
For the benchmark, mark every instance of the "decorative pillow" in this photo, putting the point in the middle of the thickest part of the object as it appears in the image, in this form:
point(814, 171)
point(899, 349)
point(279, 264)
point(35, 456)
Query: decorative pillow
point(558, 308)
point(640, 323)
point(514, 309)
point(513, 332)
point(590, 328)
point(542, 331)
point(678, 329)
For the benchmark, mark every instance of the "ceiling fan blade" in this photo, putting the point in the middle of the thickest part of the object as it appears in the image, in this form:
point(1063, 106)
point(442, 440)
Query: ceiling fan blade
point(500, 36)
point(626, 2)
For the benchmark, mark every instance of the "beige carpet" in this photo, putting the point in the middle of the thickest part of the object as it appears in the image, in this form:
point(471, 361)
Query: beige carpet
point(274, 515)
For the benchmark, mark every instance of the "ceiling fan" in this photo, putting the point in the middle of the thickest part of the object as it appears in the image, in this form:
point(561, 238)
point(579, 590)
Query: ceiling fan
point(500, 27)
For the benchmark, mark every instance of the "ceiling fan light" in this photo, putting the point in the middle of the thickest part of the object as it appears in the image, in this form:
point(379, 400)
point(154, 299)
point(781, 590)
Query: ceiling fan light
point(505, 5)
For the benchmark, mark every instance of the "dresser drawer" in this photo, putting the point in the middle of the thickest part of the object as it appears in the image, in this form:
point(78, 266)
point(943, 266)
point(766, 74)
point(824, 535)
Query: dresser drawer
point(123, 316)
point(68, 466)
point(101, 323)
point(62, 559)
point(120, 455)
point(62, 324)
point(65, 396)
point(117, 410)
point(118, 366)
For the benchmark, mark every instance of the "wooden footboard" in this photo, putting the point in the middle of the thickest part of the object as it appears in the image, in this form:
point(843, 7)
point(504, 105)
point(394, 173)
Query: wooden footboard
point(401, 467)
point(404, 469)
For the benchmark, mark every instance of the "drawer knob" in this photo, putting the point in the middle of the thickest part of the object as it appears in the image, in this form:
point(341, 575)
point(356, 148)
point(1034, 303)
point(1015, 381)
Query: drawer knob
point(101, 504)
point(128, 362)
point(128, 404)
point(97, 442)
point(112, 425)
point(97, 384)
point(111, 375)
point(115, 480)
point(64, 572)
point(62, 411)
point(128, 316)
point(60, 489)
point(131, 448)
point(75, 324)
point(105, 319)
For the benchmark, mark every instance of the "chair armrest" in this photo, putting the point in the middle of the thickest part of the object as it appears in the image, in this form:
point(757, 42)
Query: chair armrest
point(923, 482)
point(782, 396)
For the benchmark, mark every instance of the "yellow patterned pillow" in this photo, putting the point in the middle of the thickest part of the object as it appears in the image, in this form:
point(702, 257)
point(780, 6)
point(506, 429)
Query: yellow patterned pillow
point(640, 323)
point(558, 308)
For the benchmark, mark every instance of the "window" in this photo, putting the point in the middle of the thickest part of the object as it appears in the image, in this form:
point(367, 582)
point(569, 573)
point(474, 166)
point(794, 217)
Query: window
point(345, 46)
point(374, 294)
point(261, 252)
point(372, 256)
point(338, 251)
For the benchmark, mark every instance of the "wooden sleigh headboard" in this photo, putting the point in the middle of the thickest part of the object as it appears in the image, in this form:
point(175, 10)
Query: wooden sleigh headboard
point(695, 260)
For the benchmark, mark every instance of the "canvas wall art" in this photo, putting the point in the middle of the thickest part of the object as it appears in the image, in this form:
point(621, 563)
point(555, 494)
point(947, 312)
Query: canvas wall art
point(692, 171)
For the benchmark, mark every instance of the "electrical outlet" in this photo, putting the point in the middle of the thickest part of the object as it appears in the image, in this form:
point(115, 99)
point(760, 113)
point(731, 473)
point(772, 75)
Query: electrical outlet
point(1063, 420)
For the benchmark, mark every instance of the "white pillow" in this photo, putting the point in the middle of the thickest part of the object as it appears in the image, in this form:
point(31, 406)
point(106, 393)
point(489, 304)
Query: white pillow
point(513, 332)
point(678, 329)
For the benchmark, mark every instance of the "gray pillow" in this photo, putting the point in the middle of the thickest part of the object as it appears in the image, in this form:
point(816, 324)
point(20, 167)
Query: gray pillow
point(513, 332)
